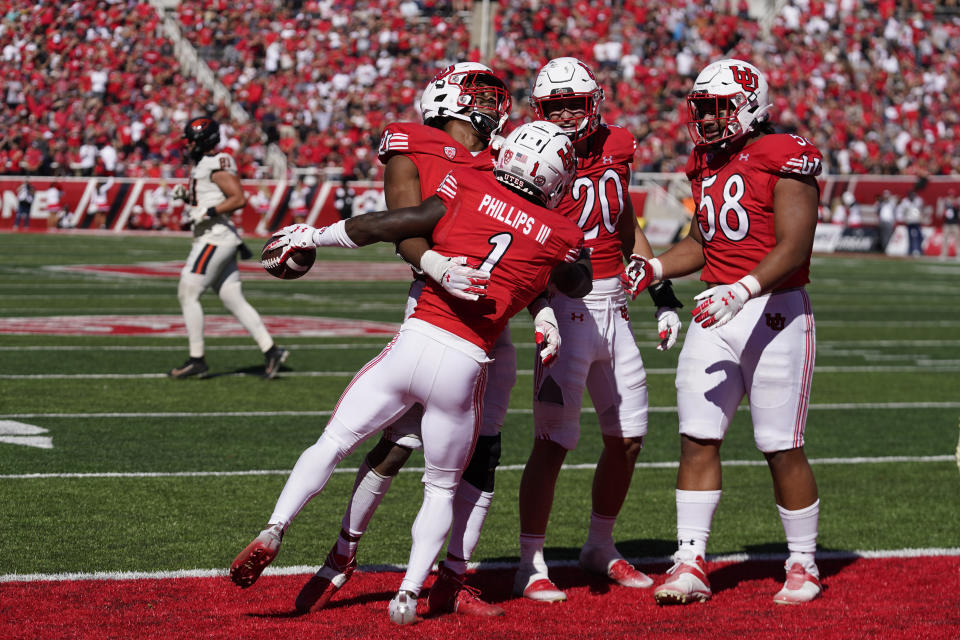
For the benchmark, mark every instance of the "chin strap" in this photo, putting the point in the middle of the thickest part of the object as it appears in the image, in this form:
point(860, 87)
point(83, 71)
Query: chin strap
point(485, 125)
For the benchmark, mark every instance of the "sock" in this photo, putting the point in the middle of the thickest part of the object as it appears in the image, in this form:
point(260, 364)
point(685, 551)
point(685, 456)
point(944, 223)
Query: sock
point(531, 552)
point(695, 511)
point(470, 508)
point(601, 531)
point(368, 490)
point(800, 527)
point(429, 533)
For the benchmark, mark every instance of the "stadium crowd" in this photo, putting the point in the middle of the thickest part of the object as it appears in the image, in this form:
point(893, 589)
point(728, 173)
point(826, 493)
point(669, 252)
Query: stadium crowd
point(93, 88)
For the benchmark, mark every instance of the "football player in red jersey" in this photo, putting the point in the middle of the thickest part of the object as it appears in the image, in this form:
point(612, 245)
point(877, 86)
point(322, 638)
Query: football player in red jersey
point(462, 107)
point(500, 222)
point(753, 332)
point(599, 352)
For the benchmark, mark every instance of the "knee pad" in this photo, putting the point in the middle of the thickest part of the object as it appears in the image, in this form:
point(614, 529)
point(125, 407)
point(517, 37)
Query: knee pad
point(483, 464)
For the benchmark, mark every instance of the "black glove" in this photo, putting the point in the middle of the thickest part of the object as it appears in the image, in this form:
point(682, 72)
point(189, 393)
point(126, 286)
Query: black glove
point(245, 253)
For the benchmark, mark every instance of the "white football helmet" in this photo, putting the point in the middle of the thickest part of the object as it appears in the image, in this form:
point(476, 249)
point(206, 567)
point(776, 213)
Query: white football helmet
point(729, 99)
point(568, 82)
point(467, 91)
point(537, 159)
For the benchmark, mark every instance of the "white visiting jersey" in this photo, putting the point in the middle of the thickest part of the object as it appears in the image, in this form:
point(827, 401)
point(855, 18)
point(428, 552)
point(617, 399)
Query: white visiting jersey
point(205, 193)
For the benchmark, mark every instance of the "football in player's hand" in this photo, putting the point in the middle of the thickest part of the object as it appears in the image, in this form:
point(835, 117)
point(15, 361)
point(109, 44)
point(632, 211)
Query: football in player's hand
point(296, 264)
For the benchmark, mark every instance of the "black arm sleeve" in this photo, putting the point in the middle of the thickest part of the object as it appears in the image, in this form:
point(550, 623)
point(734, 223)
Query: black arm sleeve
point(663, 296)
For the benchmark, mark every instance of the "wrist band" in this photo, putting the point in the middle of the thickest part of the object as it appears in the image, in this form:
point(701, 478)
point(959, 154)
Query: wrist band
point(751, 284)
point(657, 267)
point(334, 236)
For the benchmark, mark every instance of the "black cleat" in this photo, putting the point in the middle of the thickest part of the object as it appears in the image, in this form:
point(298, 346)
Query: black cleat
point(192, 367)
point(275, 357)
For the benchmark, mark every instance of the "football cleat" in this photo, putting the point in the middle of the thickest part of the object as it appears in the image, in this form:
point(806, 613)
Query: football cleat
point(609, 563)
point(450, 595)
point(251, 562)
point(687, 583)
point(530, 584)
point(403, 608)
point(801, 586)
point(274, 358)
point(318, 591)
point(192, 367)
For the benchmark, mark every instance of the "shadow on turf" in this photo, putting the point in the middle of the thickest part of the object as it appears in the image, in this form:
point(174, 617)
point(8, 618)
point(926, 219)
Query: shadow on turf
point(255, 371)
point(360, 598)
point(727, 576)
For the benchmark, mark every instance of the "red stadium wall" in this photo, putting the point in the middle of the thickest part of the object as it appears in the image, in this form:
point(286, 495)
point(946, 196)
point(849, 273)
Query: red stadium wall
point(127, 195)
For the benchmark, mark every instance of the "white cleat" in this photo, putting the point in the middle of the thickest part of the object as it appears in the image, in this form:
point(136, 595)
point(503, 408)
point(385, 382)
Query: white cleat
point(533, 585)
point(687, 583)
point(403, 608)
point(607, 562)
point(801, 586)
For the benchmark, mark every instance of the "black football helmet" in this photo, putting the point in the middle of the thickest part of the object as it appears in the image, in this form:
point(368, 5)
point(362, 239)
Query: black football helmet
point(202, 135)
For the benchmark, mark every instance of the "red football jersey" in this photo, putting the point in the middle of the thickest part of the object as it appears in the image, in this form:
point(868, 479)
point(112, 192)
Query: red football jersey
point(513, 239)
point(598, 196)
point(733, 192)
point(433, 151)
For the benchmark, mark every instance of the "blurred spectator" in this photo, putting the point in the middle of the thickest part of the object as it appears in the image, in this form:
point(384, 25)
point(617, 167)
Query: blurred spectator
point(887, 206)
point(838, 211)
point(297, 202)
point(158, 203)
point(100, 204)
point(260, 202)
point(343, 199)
point(951, 226)
point(910, 213)
point(25, 194)
point(854, 216)
point(57, 214)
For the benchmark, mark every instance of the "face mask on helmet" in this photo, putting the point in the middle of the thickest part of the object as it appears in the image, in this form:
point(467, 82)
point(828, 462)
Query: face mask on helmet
point(468, 91)
point(566, 93)
point(537, 160)
point(729, 99)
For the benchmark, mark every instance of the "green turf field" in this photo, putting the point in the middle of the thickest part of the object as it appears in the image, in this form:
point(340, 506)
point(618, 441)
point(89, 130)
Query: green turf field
point(151, 474)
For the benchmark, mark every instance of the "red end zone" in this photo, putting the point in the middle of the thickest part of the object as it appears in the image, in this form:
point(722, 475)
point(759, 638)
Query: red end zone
point(173, 326)
point(904, 598)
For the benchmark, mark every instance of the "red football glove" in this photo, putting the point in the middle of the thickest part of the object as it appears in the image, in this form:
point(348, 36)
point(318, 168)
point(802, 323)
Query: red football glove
point(639, 274)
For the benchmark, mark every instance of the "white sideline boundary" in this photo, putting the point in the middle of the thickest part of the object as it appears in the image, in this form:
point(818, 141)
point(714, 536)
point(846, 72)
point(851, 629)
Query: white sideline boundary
point(480, 566)
point(505, 467)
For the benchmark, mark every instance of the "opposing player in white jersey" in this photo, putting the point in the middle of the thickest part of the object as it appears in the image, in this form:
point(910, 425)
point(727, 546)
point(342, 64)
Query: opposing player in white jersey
point(462, 107)
point(599, 352)
point(753, 333)
point(213, 194)
point(502, 223)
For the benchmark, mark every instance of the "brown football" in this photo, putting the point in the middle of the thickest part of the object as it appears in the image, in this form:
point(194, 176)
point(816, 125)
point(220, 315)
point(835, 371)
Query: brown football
point(298, 262)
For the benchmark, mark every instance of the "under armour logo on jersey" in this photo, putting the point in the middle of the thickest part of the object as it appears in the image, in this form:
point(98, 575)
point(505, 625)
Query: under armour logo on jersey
point(745, 78)
point(607, 159)
point(743, 157)
point(576, 316)
point(776, 321)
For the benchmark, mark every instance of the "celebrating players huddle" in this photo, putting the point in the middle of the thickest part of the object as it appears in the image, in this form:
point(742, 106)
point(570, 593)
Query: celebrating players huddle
point(542, 219)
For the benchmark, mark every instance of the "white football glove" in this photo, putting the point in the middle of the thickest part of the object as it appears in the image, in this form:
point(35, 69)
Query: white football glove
point(668, 326)
point(299, 236)
point(453, 274)
point(719, 304)
point(179, 192)
point(547, 335)
point(196, 214)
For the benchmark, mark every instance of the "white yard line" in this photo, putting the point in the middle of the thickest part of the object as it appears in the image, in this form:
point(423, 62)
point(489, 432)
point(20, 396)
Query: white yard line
point(923, 366)
point(482, 566)
point(506, 467)
point(837, 406)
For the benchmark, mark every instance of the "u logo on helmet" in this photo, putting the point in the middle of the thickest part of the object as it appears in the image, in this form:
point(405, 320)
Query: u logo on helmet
point(745, 78)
